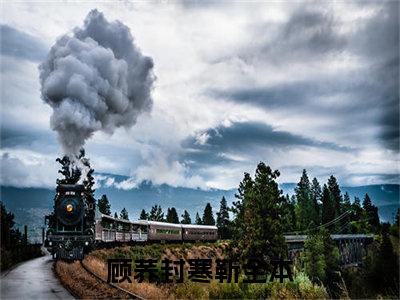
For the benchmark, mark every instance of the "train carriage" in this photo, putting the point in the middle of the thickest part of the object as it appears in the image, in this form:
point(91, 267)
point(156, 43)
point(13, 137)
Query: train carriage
point(161, 231)
point(199, 232)
point(140, 231)
point(123, 230)
point(105, 228)
point(109, 229)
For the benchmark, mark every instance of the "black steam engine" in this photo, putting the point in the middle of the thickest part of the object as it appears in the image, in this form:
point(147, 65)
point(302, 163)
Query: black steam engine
point(70, 228)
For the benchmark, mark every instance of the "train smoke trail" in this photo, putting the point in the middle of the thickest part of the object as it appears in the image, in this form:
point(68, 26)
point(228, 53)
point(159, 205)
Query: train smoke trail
point(96, 79)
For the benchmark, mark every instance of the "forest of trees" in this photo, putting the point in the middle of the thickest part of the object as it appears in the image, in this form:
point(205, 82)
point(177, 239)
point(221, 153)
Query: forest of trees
point(262, 214)
point(156, 214)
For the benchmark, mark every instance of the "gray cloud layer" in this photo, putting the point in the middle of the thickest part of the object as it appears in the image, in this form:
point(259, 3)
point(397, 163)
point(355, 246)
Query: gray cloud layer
point(311, 35)
point(245, 137)
point(21, 45)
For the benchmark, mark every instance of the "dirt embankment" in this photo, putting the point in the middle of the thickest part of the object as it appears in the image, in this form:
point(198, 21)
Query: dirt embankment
point(85, 286)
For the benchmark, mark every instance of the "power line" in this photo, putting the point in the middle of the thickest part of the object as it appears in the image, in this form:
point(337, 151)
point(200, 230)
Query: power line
point(323, 225)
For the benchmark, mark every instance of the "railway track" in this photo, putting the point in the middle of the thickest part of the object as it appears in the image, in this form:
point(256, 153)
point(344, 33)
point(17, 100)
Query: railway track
point(129, 293)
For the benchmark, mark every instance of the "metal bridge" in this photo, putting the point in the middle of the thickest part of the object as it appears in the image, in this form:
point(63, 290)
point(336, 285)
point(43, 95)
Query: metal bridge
point(352, 247)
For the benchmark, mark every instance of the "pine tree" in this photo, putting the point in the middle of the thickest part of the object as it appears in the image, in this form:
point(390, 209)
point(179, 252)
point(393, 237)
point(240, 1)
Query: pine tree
point(321, 261)
point(347, 207)
point(395, 228)
point(186, 218)
point(334, 189)
point(358, 217)
point(289, 214)
point(346, 202)
point(337, 199)
point(305, 206)
point(245, 191)
point(198, 219)
point(156, 214)
point(124, 214)
point(257, 225)
point(7, 223)
point(371, 212)
point(208, 217)
point(316, 195)
point(143, 215)
point(313, 258)
point(172, 216)
point(357, 209)
point(382, 267)
point(115, 215)
point(328, 206)
point(223, 222)
point(293, 204)
point(104, 205)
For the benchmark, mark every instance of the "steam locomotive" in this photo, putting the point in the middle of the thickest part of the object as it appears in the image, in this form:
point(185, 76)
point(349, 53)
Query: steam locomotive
point(76, 226)
point(70, 228)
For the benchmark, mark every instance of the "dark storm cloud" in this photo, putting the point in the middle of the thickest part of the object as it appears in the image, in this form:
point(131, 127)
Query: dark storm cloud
point(378, 41)
point(367, 97)
point(21, 45)
point(378, 38)
point(197, 158)
point(309, 34)
point(14, 136)
point(242, 136)
point(308, 31)
point(301, 93)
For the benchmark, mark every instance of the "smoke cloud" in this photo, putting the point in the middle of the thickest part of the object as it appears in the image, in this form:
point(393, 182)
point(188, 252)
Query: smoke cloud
point(96, 79)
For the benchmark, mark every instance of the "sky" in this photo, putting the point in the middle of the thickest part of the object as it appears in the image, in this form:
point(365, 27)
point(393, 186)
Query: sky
point(294, 84)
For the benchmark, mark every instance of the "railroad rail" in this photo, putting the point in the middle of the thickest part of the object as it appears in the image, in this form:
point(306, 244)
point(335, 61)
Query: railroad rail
point(132, 295)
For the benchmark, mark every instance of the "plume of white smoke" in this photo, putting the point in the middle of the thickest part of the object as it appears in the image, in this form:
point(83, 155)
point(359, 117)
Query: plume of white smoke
point(96, 79)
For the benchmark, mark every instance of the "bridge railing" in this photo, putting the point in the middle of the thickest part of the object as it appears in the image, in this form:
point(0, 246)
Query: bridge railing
point(302, 237)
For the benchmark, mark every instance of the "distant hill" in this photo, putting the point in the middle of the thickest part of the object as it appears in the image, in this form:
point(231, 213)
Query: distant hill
point(31, 204)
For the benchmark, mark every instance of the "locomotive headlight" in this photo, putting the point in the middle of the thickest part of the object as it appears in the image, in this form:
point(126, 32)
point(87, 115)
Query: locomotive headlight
point(70, 208)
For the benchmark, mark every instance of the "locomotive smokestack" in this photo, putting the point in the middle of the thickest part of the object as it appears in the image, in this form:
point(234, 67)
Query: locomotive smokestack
point(96, 79)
